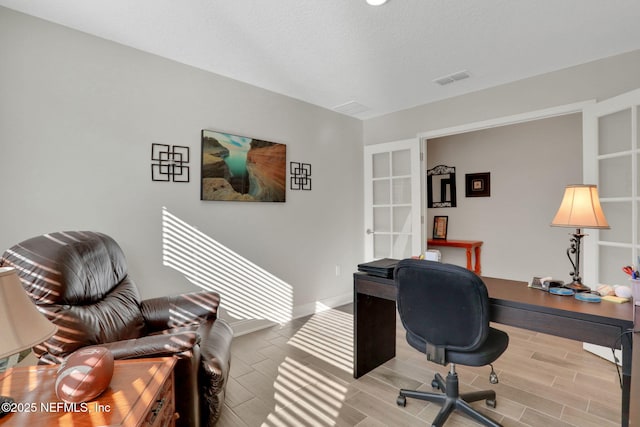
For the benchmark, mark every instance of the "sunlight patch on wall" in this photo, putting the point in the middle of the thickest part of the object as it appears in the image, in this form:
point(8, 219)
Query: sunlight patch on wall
point(247, 290)
point(328, 336)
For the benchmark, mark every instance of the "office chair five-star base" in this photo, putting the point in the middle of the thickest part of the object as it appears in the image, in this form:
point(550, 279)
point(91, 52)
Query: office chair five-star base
point(451, 399)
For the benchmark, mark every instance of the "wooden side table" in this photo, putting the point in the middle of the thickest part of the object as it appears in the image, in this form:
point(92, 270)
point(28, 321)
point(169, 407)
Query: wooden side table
point(141, 393)
point(468, 245)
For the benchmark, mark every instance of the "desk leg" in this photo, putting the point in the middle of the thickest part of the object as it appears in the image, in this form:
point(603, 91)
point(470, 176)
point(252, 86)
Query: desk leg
point(374, 333)
point(478, 268)
point(627, 357)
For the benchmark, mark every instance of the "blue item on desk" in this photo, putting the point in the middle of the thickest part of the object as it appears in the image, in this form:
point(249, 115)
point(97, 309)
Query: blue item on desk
point(561, 291)
point(587, 297)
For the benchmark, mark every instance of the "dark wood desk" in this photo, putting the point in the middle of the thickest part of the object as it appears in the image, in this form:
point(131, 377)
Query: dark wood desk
point(512, 303)
point(468, 245)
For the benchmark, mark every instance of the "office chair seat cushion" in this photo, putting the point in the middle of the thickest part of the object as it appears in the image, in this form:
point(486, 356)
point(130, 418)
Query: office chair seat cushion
point(495, 344)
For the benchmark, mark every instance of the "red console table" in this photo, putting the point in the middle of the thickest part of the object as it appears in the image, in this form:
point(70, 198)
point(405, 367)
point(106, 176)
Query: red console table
point(476, 245)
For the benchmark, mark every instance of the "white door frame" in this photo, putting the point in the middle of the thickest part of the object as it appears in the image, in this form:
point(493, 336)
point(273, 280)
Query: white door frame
point(507, 120)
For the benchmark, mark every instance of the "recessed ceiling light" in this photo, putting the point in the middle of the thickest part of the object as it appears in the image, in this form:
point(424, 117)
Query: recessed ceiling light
point(376, 2)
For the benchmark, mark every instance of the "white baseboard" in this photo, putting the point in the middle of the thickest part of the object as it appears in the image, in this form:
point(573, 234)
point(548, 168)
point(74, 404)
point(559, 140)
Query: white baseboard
point(246, 326)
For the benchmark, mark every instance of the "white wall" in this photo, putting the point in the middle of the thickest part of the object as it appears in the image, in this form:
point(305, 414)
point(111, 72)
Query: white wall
point(529, 169)
point(78, 115)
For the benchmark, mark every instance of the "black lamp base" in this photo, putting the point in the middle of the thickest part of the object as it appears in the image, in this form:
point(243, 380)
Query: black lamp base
point(577, 286)
point(5, 405)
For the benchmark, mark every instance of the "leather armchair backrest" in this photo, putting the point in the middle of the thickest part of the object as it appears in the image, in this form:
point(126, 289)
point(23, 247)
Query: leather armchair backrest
point(79, 281)
point(445, 305)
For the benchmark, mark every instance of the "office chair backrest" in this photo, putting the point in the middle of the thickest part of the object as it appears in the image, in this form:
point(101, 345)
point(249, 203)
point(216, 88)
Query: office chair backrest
point(442, 304)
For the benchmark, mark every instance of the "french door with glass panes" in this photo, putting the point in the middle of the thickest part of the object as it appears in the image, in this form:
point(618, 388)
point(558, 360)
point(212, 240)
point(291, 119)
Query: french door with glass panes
point(611, 156)
point(611, 151)
point(392, 200)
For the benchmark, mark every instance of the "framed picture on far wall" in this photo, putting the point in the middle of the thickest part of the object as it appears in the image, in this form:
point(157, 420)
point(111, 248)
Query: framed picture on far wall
point(440, 224)
point(478, 184)
point(240, 168)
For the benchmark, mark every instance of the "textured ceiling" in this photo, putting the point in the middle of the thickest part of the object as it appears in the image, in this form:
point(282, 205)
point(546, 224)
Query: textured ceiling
point(333, 52)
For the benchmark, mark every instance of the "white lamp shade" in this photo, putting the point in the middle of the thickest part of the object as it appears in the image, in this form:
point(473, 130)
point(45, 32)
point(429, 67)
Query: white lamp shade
point(22, 326)
point(580, 208)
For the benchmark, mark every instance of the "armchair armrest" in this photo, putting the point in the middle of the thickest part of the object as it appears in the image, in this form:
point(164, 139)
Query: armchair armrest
point(215, 363)
point(180, 310)
point(154, 345)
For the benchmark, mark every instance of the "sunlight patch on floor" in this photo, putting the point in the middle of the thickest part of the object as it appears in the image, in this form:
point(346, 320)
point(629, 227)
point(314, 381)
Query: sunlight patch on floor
point(328, 335)
point(305, 396)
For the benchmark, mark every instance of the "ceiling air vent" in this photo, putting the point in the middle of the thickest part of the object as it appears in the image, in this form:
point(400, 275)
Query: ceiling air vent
point(351, 108)
point(450, 78)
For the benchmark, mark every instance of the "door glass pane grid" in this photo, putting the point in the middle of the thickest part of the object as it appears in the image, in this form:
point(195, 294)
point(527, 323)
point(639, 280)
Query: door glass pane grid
point(619, 180)
point(402, 219)
point(614, 132)
point(617, 214)
point(401, 247)
point(637, 174)
point(381, 245)
point(381, 192)
point(637, 121)
point(610, 262)
point(637, 232)
point(381, 165)
point(401, 191)
point(401, 163)
point(382, 219)
point(615, 177)
point(391, 204)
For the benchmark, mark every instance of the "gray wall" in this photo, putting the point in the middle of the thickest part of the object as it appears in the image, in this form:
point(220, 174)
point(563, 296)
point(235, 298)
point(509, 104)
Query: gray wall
point(78, 115)
point(529, 168)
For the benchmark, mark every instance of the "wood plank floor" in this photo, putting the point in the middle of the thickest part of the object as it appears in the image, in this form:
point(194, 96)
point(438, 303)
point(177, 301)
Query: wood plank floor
point(300, 374)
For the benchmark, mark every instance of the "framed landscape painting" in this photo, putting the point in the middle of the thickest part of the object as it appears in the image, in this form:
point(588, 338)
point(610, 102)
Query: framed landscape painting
point(239, 168)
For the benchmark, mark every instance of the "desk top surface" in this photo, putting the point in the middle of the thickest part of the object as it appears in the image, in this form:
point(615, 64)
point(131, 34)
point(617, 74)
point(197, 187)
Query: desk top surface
point(515, 293)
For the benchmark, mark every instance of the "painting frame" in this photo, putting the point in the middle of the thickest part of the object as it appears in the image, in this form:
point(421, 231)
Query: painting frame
point(478, 184)
point(242, 168)
point(440, 227)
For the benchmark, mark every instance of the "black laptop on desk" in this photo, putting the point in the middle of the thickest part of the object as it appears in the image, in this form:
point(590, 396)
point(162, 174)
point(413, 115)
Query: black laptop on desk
point(380, 268)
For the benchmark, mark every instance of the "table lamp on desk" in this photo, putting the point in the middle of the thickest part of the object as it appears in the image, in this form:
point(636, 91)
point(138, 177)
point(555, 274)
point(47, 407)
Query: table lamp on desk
point(22, 326)
point(580, 208)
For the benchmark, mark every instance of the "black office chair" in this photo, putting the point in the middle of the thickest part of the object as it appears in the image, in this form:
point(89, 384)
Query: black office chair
point(445, 310)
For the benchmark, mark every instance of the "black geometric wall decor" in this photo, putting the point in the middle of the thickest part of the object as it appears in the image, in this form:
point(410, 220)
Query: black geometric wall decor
point(171, 161)
point(300, 176)
point(441, 187)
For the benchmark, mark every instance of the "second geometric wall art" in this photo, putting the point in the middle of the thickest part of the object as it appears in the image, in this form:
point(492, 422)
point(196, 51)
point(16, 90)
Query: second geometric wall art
point(300, 176)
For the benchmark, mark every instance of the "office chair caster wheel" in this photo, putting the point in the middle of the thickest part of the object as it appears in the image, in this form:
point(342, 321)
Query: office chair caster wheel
point(491, 402)
point(401, 401)
point(434, 384)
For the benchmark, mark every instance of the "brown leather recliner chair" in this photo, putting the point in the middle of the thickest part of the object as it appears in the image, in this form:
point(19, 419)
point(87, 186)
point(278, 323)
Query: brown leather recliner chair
point(79, 280)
